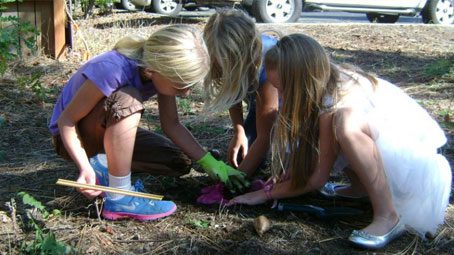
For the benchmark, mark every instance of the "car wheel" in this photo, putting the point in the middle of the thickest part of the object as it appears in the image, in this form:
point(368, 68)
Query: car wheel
point(167, 7)
point(382, 18)
point(438, 12)
point(191, 8)
point(277, 11)
point(128, 5)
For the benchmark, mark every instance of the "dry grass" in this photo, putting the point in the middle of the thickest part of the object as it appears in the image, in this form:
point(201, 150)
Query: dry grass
point(399, 53)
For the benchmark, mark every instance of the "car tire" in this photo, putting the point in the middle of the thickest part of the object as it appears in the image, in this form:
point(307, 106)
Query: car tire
point(190, 8)
point(273, 11)
point(381, 18)
point(167, 7)
point(128, 5)
point(438, 12)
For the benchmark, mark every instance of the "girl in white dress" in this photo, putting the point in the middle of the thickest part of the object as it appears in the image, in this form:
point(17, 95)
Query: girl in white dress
point(339, 117)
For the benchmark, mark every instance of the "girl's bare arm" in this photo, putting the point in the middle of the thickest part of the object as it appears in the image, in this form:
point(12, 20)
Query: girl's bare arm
point(328, 154)
point(83, 102)
point(178, 133)
point(266, 112)
point(239, 141)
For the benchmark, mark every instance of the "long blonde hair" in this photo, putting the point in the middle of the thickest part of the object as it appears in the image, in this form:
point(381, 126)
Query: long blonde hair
point(307, 77)
point(235, 48)
point(178, 52)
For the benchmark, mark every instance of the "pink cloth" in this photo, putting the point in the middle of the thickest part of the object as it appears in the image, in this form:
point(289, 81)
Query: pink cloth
point(212, 195)
point(215, 194)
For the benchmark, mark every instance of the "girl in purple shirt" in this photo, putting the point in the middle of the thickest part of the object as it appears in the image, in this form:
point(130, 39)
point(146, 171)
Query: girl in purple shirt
point(100, 108)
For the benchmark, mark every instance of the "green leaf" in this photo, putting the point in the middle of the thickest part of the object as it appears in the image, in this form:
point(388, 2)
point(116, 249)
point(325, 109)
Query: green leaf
point(56, 212)
point(200, 223)
point(29, 200)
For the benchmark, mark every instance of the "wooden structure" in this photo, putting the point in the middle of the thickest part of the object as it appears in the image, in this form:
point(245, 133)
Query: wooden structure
point(48, 17)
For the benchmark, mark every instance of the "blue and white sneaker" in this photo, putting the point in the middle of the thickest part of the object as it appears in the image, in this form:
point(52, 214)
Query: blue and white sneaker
point(137, 208)
point(99, 164)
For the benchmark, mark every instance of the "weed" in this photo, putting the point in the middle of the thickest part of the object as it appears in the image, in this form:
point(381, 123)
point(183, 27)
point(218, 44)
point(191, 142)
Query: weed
point(150, 117)
point(447, 125)
point(185, 106)
point(157, 129)
point(199, 223)
point(439, 68)
point(14, 33)
point(33, 83)
point(44, 241)
point(105, 6)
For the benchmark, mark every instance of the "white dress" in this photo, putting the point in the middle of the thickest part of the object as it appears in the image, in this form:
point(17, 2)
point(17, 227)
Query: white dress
point(407, 139)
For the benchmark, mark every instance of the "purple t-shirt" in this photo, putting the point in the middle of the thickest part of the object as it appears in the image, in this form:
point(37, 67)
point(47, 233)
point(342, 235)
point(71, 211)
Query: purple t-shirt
point(109, 72)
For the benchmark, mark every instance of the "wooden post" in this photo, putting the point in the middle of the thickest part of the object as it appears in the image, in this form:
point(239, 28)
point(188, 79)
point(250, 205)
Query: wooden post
point(47, 16)
point(59, 40)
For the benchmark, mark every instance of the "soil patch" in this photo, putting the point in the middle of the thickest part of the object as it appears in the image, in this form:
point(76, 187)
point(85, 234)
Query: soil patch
point(412, 56)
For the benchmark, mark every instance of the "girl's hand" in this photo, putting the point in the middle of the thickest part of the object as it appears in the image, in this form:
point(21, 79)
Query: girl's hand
point(88, 176)
point(218, 170)
point(238, 143)
point(251, 198)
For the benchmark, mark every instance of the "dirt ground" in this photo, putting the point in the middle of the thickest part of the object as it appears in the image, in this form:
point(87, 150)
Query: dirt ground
point(414, 57)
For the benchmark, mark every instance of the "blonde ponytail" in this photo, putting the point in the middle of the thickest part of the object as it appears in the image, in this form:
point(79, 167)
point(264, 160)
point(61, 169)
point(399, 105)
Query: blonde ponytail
point(131, 46)
point(177, 52)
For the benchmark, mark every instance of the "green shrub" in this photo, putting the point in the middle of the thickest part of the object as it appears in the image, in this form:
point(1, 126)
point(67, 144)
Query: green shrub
point(44, 241)
point(13, 33)
point(440, 68)
point(33, 82)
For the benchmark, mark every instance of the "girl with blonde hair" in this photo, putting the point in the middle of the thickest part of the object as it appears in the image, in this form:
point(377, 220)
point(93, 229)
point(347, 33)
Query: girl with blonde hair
point(100, 108)
point(336, 118)
point(236, 49)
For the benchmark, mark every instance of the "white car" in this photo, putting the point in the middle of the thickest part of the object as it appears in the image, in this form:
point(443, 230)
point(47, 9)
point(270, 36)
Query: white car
point(388, 11)
point(270, 11)
point(279, 11)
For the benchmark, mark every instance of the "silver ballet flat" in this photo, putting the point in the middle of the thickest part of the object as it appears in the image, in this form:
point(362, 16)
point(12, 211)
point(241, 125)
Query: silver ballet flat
point(365, 240)
point(329, 191)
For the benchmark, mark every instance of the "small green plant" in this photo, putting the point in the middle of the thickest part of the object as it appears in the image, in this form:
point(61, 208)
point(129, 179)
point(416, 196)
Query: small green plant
point(44, 241)
point(199, 223)
point(105, 6)
point(33, 83)
point(184, 105)
point(13, 33)
point(157, 129)
point(439, 68)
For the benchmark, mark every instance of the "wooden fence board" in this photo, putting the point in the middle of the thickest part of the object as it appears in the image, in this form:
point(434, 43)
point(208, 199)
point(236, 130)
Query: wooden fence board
point(48, 17)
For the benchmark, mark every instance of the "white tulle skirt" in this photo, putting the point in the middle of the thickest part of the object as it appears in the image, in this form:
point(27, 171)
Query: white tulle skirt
point(407, 139)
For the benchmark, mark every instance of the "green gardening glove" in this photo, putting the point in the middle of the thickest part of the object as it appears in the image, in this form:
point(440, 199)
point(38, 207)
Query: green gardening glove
point(218, 170)
point(214, 168)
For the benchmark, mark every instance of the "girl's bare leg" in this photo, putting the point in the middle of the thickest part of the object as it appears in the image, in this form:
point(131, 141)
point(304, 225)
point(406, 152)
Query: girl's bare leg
point(354, 137)
point(119, 141)
point(355, 189)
